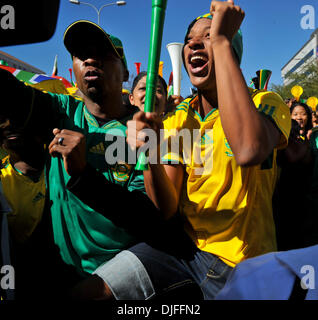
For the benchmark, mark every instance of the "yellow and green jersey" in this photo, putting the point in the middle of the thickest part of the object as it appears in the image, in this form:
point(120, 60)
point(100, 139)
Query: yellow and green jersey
point(228, 207)
point(26, 199)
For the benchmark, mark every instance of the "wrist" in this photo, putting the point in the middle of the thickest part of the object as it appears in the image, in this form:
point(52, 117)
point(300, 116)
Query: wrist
point(220, 41)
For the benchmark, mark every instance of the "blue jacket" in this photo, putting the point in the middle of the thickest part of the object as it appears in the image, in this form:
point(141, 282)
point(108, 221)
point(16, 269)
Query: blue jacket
point(273, 276)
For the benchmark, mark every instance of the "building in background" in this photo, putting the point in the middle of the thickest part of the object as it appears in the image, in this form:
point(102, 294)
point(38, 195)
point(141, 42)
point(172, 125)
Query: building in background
point(308, 53)
point(18, 64)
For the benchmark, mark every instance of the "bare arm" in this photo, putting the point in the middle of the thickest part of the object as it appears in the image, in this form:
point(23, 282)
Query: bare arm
point(25, 106)
point(251, 136)
point(163, 183)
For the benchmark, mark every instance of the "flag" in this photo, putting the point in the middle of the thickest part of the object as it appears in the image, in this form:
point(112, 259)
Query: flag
point(39, 81)
point(170, 85)
point(70, 70)
point(25, 76)
point(54, 71)
point(66, 83)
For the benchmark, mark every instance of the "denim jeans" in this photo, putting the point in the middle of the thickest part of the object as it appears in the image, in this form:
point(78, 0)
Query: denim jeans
point(144, 272)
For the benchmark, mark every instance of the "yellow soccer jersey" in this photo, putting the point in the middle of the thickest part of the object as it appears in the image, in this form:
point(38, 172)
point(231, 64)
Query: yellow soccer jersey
point(229, 207)
point(26, 199)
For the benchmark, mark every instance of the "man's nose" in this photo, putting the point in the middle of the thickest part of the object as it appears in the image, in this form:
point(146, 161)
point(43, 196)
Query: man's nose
point(92, 61)
point(196, 43)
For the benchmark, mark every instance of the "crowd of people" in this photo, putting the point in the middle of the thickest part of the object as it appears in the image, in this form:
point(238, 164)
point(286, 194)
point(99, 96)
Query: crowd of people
point(234, 176)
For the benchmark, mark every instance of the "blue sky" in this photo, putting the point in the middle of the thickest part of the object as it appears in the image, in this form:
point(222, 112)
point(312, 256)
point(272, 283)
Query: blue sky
point(271, 32)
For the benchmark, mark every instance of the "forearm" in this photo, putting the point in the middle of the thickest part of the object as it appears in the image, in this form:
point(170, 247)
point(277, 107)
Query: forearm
point(244, 128)
point(27, 107)
point(161, 190)
point(16, 98)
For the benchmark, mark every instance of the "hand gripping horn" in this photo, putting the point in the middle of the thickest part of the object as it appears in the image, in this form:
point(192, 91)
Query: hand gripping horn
point(157, 22)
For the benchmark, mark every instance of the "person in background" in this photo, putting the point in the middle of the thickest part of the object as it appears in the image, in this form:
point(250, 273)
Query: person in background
point(291, 206)
point(303, 115)
point(22, 176)
point(163, 104)
point(33, 252)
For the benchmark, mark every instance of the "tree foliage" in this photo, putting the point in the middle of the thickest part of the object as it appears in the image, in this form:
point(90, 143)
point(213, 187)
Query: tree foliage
point(307, 79)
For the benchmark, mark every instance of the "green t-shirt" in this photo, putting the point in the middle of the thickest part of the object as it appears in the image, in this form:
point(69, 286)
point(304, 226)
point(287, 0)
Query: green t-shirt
point(86, 238)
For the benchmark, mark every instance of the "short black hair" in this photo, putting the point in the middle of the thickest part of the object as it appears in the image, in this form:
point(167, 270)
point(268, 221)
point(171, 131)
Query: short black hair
point(144, 73)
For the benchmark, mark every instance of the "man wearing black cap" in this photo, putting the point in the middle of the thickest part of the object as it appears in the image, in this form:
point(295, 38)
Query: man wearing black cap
point(84, 236)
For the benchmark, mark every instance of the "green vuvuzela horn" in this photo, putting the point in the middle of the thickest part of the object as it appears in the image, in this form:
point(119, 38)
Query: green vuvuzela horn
point(157, 22)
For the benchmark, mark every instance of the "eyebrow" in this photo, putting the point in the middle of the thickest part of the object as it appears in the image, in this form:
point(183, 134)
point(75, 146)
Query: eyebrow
point(205, 29)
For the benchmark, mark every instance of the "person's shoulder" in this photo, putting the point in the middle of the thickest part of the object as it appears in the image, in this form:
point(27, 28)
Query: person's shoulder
point(268, 99)
point(65, 97)
point(273, 107)
point(180, 111)
point(271, 104)
point(65, 102)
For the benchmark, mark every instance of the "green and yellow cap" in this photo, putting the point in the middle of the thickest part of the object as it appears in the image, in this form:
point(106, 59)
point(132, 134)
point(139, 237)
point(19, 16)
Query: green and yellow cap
point(78, 31)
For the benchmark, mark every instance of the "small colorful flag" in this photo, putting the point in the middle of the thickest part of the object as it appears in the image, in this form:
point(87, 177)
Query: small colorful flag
point(71, 74)
point(25, 76)
point(170, 85)
point(66, 83)
point(43, 82)
point(54, 71)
